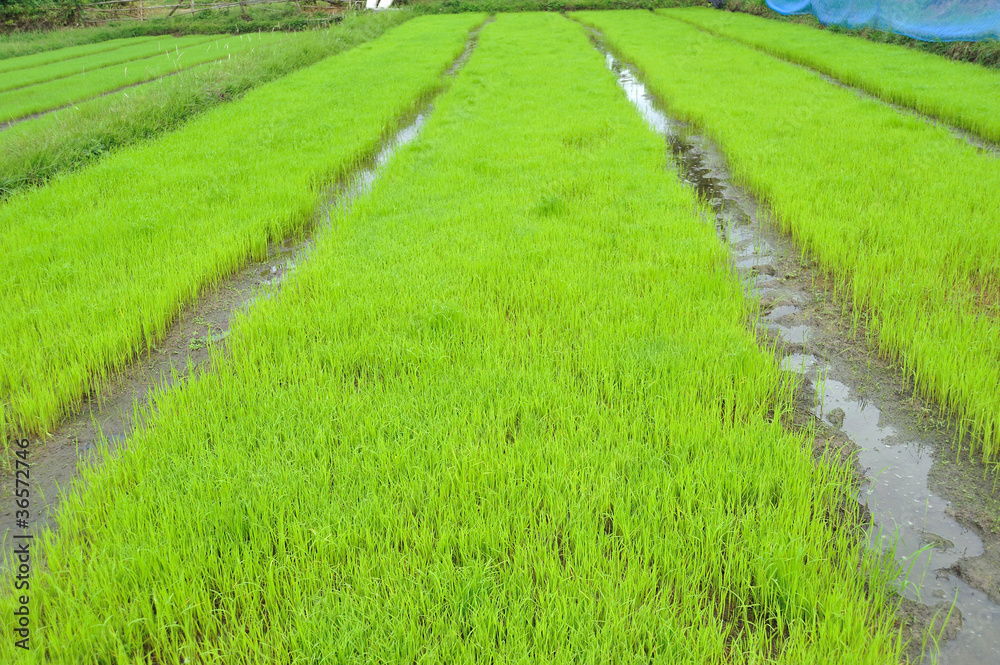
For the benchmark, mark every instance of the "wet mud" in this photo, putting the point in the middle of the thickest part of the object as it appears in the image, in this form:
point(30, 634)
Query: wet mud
point(934, 511)
point(102, 426)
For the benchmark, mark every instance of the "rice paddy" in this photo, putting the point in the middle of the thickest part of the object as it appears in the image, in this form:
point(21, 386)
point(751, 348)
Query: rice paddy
point(901, 213)
point(24, 62)
point(515, 402)
point(71, 81)
point(99, 266)
point(141, 47)
point(959, 93)
point(466, 431)
point(34, 150)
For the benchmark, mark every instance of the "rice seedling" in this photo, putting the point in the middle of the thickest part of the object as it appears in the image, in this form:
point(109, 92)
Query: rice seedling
point(143, 47)
point(32, 48)
point(185, 52)
point(34, 150)
point(24, 62)
point(960, 93)
point(508, 411)
point(100, 261)
point(901, 214)
point(261, 19)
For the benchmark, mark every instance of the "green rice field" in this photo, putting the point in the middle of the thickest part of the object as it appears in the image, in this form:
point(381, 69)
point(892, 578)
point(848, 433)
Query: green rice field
point(514, 403)
point(197, 224)
point(870, 192)
point(71, 81)
point(958, 93)
point(34, 150)
point(15, 65)
point(135, 49)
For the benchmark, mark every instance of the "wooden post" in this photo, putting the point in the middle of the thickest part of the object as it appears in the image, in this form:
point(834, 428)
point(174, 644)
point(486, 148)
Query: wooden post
point(142, 13)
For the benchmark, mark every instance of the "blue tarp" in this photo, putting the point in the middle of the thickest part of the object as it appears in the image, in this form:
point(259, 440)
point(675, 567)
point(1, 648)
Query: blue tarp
point(929, 20)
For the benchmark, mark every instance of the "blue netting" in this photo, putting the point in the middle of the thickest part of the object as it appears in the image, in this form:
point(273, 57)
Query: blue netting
point(930, 20)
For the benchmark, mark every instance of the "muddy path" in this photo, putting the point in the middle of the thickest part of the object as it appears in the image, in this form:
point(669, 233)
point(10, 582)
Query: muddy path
point(102, 426)
point(978, 142)
point(937, 510)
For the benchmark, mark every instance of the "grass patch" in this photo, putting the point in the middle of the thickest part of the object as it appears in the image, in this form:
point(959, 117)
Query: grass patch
point(899, 212)
point(509, 411)
point(101, 260)
point(26, 62)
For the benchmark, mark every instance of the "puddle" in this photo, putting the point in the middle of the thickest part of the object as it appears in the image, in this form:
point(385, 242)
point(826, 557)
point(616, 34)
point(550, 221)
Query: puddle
point(187, 346)
point(895, 461)
point(779, 313)
point(795, 335)
point(364, 178)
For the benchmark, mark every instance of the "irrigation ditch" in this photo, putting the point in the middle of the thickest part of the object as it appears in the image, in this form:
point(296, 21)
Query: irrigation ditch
point(198, 336)
point(936, 514)
point(975, 141)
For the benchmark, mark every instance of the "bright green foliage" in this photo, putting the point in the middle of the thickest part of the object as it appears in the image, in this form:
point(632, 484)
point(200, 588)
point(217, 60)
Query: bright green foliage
point(13, 65)
point(960, 93)
point(98, 263)
point(226, 21)
point(902, 214)
point(32, 151)
point(186, 52)
point(140, 47)
point(509, 410)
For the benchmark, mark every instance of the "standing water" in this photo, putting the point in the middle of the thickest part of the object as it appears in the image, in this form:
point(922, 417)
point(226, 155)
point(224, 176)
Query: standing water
point(906, 514)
